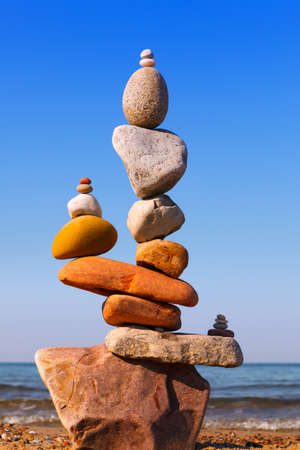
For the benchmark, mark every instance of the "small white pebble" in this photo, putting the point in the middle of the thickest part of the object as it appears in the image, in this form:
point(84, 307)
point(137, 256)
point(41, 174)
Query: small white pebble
point(147, 62)
point(147, 53)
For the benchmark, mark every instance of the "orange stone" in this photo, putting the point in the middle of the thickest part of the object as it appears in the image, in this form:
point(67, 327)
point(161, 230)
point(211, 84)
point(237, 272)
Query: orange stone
point(124, 309)
point(85, 180)
point(105, 277)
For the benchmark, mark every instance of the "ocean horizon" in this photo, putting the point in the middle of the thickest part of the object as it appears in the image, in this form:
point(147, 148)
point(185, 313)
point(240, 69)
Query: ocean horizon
point(262, 396)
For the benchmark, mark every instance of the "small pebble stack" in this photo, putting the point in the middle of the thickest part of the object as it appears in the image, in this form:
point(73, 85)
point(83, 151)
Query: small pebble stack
point(87, 233)
point(220, 327)
point(155, 161)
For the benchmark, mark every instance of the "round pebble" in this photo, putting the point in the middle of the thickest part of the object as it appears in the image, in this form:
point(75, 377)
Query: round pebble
point(147, 62)
point(145, 98)
point(84, 204)
point(223, 333)
point(221, 321)
point(221, 316)
point(147, 53)
point(84, 188)
point(85, 180)
point(220, 326)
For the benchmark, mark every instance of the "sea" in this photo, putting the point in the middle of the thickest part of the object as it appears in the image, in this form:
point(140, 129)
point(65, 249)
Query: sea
point(253, 396)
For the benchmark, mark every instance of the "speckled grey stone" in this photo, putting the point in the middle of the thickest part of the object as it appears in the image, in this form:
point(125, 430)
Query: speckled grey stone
point(141, 343)
point(145, 98)
point(154, 218)
point(154, 159)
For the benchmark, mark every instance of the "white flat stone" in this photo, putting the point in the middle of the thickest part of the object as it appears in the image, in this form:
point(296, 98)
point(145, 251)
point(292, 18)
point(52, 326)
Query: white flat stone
point(154, 218)
point(84, 204)
point(165, 347)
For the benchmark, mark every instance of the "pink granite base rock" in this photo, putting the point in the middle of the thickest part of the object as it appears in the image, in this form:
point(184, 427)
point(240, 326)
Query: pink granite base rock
point(107, 402)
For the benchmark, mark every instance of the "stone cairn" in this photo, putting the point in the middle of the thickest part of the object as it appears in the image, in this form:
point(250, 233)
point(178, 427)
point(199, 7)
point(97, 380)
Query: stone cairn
point(140, 389)
point(220, 327)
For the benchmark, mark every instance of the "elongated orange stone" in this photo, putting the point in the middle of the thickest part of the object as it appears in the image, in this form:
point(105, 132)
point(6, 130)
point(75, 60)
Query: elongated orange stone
point(105, 277)
point(120, 309)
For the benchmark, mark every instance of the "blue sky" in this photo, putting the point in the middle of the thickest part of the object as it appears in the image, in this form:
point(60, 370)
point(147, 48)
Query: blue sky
point(233, 71)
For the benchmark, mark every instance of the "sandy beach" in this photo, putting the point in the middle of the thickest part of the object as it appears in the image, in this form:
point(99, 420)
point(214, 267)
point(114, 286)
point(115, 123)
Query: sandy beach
point(55, 437)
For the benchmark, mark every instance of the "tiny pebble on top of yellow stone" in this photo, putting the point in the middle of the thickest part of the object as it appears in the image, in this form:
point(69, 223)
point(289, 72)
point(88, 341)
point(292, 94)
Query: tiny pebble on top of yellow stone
point(87, 234)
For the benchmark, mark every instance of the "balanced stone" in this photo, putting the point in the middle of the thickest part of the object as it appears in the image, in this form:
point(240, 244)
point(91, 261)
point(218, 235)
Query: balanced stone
point(223, 333)
point(220, 327)
point(147, 62)
point(126, 309)
point(105, 277)
point(136, 343)
point(221, 317)
point(145, 98)
point(84, 188)
point(84, 204)
point(166, 256)
point(85, 180)
point(147, 53)
point(107, 402)
point(154, 218)
point(154, 159)
point(84, 236)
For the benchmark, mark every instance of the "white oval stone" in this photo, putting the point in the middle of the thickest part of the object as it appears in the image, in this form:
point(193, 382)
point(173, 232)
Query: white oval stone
point(154, 218)
point(147, 62)
point(84, 204)
point(147, 53)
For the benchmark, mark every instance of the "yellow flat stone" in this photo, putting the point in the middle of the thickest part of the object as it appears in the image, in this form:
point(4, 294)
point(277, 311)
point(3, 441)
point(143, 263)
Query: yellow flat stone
point(84, 236)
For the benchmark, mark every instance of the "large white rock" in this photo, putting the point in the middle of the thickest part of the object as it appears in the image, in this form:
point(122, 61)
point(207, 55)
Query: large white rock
point(141, 343)
point(154, 218)
point(84, 204)
point(154, 159)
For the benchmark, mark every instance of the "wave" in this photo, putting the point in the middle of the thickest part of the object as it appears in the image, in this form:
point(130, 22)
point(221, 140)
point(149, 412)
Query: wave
point(25, 404)
point(30, 420)
point(257, 402)
point(237, 424)
point(19, 387)
point(270, 385)
point(253, 424)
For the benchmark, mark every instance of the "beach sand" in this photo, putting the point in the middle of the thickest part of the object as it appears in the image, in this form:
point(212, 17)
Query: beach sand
point(54, 437)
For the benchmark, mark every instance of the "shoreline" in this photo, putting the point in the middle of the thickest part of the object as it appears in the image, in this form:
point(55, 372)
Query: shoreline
point(54, 437)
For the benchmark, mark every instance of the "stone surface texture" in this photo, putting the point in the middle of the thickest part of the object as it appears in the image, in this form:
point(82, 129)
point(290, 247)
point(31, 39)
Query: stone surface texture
point(84, 236)
point(137, 343)
point(224, 333)
point(145, 98)
point(166, 256)
point(84, 188)
point(85, 180)
point(122, 309)
point(154, 159)
point(105, 277)
point(84, 204)
point(154, 218)
point(108, 403)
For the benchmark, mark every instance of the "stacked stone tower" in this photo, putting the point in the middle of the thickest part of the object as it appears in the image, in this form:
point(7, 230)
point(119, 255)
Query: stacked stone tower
point(140, 389)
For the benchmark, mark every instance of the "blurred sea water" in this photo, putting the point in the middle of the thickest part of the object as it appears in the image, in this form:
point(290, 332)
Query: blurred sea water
point(253, 396)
